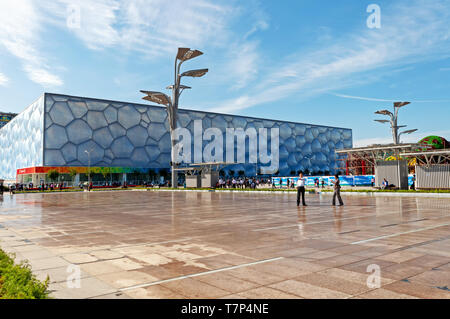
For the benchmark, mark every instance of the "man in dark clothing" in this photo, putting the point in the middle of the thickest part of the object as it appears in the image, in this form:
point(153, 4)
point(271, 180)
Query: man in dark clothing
point(301, 189)
point(337, 192)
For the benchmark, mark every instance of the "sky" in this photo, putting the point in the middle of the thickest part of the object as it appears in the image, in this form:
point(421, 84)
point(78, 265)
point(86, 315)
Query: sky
point(322, 62)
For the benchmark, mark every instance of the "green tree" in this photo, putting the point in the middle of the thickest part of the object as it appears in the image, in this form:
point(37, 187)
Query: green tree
point(106, 171)
point(231, 172)
point(53, 175)
point(72, 174)
point(241, 173)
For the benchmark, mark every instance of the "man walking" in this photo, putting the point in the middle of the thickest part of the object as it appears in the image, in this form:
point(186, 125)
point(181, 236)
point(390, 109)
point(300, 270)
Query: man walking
point(337, 191)
point(301, 189)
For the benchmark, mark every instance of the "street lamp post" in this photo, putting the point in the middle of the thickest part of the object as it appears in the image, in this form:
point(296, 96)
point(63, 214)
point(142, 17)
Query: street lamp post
point(393, 121)
point(89, 168)
point(395, 133)
point(177, 88)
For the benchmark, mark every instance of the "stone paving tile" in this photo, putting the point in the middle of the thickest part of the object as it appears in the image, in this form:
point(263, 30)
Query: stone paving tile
point(333, 283)
point(417, 290)
point(281, 271)
point(154, 292)
point(400, 256)
point(339, 260)
point(195, 289)
point(101, 267)
point(106, 254)
point(37, 253)
point(58, 274)
point(227, 282)
point(160, 272)
point(128, 278)
point(89, 287)
point(47, 263)
point(301, 263)
point(385, 294)
point(401, 271)
point(436, 278)
point(117, 295)
point(445, 267)
point(356, 277)
point(253, 275)
point(233, 296)
point(128, 238)
point(362, 266)
point(79, 258)
point(429, 261)
point(306, 290)
point(266, 293)
point(321, 254)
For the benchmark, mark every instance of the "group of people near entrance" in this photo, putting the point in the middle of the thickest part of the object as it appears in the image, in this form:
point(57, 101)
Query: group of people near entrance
point(301, 190)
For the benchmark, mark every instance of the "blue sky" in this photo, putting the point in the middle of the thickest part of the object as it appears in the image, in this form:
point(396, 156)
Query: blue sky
point(306, 61)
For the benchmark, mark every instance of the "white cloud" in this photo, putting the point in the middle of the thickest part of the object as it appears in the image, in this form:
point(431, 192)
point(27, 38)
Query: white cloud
point(3, 79)
point(151, 27)
point(156, 28)
point(19, 35)
point(410, 33)
point(42, 76)
point(353, 97)
point(363, 98)
point(96, 20)
point(243, 63)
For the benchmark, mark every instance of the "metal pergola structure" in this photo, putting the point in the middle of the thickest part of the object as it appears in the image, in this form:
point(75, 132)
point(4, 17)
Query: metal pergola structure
point(378, 152)
point(371, 154)
point(429, 157)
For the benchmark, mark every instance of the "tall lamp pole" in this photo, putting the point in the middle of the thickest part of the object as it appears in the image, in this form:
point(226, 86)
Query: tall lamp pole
point(395, 133)
point(393, 121)
point(177, 88)
point(89, 168)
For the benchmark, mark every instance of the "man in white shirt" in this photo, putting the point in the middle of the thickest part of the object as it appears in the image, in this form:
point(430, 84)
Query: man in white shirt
point(301, 189)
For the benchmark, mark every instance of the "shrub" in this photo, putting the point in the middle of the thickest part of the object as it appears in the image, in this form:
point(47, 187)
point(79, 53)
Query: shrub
point(18, 282)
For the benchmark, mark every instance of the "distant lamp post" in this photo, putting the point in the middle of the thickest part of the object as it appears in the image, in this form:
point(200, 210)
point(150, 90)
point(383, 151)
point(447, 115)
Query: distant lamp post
point(89, 167)
point(393, 120)
point(177, 88)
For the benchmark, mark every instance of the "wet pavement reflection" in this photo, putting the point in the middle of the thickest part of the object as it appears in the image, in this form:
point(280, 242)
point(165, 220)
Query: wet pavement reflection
point(161, 244)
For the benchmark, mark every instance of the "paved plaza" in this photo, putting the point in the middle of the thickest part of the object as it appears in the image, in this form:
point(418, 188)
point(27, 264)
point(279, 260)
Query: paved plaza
point(162, 244)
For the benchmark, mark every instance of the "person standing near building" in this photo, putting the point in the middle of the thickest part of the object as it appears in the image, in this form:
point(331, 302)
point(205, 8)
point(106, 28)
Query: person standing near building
point(301, 189)
point(337, 191)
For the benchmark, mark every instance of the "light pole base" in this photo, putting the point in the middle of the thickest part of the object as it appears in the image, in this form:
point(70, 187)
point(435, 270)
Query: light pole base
point(174, 179)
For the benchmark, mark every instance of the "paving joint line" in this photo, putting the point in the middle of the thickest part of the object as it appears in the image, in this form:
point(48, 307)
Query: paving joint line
point(201, 273)
point(398, 234)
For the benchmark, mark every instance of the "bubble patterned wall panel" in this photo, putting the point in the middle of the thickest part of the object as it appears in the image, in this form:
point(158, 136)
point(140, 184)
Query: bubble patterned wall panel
point(136, 135)
point(21, 141)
